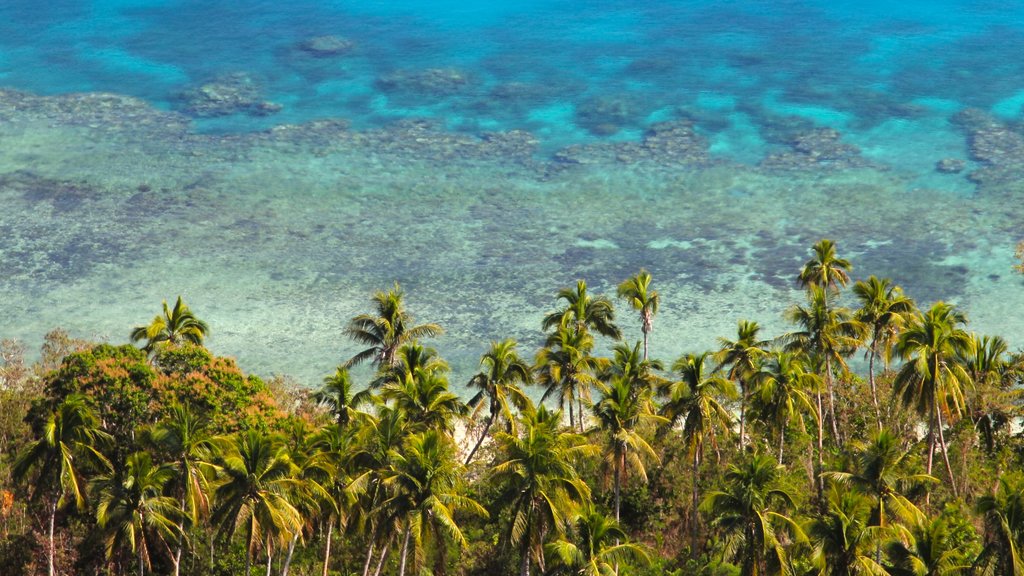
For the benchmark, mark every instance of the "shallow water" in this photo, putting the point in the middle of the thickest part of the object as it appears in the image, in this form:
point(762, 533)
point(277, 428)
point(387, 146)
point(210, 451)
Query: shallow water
point(277, 236)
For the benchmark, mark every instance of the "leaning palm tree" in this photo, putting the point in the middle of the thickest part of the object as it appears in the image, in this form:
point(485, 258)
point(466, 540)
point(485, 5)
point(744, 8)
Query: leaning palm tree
point(1003, 511)
point(184, 440)
point(70, 442)
point(637, 291)
point(498, 384)
point(426, 486)
point(597, 547)
point(583, 312)
point(697, 400)
point(884, 310)
point(621, 416)
point(132, 512)
point(386, 330)
point(742, 356)
point(538, 482)
point(750, 510)
point(176, 326)
point(825, 269)
point(255, 493)
point(932, 381)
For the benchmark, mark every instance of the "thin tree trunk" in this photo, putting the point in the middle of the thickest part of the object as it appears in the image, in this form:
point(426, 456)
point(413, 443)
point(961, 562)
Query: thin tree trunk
point(142, 558)
point(248, 550)
point(871, 382)
point(288, 557)
point(743, 412)
point(580, 419)
point(384, 554)
point(782, 441)
point(818, 483)
point(270, 557)
point(832, 402)
point(405, 550)
point(487, 428)
point(524, 564)
point(931, 455)
point(945, 450)
point(327, 548)
point(53, 520)
point(369, 552)
point(181, 539)
point(572, 421)
point(645, 343)
point(693, 505)
point(618, 479)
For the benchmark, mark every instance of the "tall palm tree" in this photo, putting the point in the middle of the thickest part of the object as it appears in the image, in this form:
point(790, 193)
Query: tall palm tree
point(828, 333)
point(628, 362)
point(932, 381)
point(427, 488)
point(70, 442)
point(133, 513)
point(598, 547)
point(742, 356)
point(583, 312)
point(621, 416)
point(751, 511)
point(696, 399)
point(883, 310)
point(184, 439)
point(337, 395)
point(538, 482)
point(782, 392)
point(1003, 511)
point(422, 394)
point(844, 540)
point(637, 291)
point(930, 550)
point(881, 470)
point(567, 370)
point(176, 326)
point(498, 384)
point(825, 269)
point(255, 494)
point(386, 330)
point(332, 464)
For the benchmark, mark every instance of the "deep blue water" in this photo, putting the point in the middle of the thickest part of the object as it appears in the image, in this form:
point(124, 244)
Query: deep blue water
point(735, 67)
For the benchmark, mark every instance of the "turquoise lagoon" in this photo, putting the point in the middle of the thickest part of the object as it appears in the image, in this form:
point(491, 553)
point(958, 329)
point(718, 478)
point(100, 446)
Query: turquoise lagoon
point(485, 154)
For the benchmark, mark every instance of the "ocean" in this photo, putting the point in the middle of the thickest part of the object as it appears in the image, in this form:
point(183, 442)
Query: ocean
point(275, 163)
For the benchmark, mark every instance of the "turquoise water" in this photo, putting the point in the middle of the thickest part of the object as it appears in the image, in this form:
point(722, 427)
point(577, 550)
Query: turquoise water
point(486, 154)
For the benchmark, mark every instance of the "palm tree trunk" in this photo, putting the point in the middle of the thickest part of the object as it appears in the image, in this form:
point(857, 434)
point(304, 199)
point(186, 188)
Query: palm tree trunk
point(369, 552)
point(572, 421)
point(743, 412)
point(945, 450)
point(818, 482)
point(832, 402)
point(693, 505)
point(327, 548)
point(487, 428)
point(50, 550)
point(618, 479)
point(579, 400)
point(782, 441)
point(524, 563)
point(248, 550)
point(871, 382)
point(384, 554)
point(646, 331)
point(405, 550)
point(288, 557)
point(142, 558)
point(269, 558)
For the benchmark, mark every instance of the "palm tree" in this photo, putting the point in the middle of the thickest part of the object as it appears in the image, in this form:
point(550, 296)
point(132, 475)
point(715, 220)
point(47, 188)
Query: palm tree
point(332, 460)
point(637, 291)
point(69, 443)
point(255, 493)
point(427, 489)
point(825, 269)
point(627, 362)
point(844, 540)
point(387, 330)
point(883, 310)
point(584, 312)
point(422, 394)
point(621, 415)
point(742, 357)
point(827, 333)
point(565, 367)
point(783, 385)
point(930, 550)
point(932, 381)
point(598, 548)
point(538, 482)
point(174, 327)
point(1004, 528)
point(751, 511)
point(337, 395)
point(696, 399)
point(132, 512)
point(184, 439)
point(498, 383)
